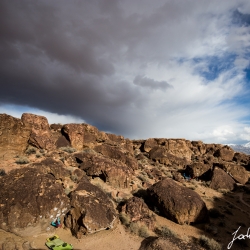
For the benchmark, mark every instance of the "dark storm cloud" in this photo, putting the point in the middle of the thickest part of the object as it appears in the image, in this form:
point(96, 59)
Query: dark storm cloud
point(99, 60)
point(144, 81)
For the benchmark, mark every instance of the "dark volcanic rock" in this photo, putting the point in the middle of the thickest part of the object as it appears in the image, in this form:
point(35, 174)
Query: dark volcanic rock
point(51, 166)
point(138, 210)
point(40, 136)
point(225, 153)
point(75, 134)
point(91, 210)
point(198, 169)
point(221, 180)
point(14, 136)
point(117, 174)
point(30, 200)
point(118, 154)
point(238, 172)
point(177, 203)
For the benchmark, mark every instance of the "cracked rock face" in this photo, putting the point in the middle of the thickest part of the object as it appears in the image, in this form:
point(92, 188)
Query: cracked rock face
point(29, 201)
point(91, 210)
point(177, 203)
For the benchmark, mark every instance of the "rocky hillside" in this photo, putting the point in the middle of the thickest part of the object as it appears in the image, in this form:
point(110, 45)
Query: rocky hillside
point(93, 181)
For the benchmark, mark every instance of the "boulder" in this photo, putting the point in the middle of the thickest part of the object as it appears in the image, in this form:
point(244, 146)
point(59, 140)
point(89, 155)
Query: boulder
point(54, 167)
point(136, 208)
point(14, 136)
point(197, 169)
point(177, 203)
point(242, 158)
point(75, 134)
point(40, 136)
point(225, 153)
point(62, 142)
point(180, 148)
point(161, 155)
point(221, 180)
point(30, 200)
point(117, 174)
point(91, 210)
point(238, 172)
point(198, 147)
point(149, 144)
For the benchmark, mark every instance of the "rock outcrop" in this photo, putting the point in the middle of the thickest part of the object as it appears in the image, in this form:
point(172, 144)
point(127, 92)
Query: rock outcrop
point(40, 135)
point(116, 174)
point(238, 172)
point(221, 180)
point(30, 200)
point(91, 210)
point(14, 136)
point(177, 203)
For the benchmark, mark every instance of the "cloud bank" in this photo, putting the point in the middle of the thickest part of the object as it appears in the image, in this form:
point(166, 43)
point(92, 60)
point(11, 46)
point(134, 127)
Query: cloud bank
point(175, 69)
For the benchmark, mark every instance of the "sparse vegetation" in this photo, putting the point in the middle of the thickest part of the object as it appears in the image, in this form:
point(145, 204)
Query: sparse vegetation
point(22, 160)
point(143, 232)
point(164, 231)
point(38, 155)
point(2, 172)
point(30, 150)
point(208, 243)
point(68, 149)
point(125, 219)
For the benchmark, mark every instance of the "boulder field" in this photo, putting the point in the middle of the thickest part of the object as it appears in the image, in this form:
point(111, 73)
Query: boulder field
point(57, 179)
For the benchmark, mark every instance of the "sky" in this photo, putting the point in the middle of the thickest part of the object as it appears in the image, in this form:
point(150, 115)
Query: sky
point(137, 68)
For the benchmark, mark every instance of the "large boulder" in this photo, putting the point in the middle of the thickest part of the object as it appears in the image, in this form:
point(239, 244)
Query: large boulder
point(30, 200)
point(138, 211)
point(91, 210)
point(177, 203)
point(54, 167)
point(221, 180)
point(117, 174)
point(238, 172)
point(197, 169)
point(117, 154)
point(225, 153)
point(40, 136)
point(14, 136)
point(149, 144)
point(75, 134)
point(161, 155)
point(180, 148)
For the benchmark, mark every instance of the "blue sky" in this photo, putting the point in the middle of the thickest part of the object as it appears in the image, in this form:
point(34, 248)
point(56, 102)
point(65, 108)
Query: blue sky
point(142, 69)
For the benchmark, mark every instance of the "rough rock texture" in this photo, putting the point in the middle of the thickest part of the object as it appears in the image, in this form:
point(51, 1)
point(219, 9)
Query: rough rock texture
point(198, 147)
point(91, 211)
point(242, 158)
point(198, 169)
point(75, 134)
point(14, 136)
point(161, 155)
point(149, 144)
point(40, 136)
point(221, 180)
point(238, 172)
point(225, 153)
point(177, 203)
point(180, 148)
point(51, 166)
point(117, 154)
point(116, 174)
point(138, 210)
point(30, 200)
